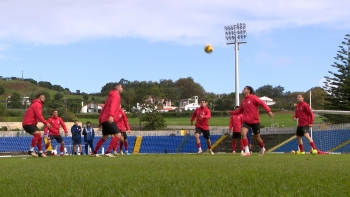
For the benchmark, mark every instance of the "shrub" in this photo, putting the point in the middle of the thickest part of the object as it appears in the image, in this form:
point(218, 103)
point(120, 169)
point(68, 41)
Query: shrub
point(68, 117)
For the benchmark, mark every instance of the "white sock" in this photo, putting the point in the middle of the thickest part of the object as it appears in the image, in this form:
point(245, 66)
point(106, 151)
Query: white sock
point(199, 148)
point(31, 148)
point(246, 149)
point(41, 151)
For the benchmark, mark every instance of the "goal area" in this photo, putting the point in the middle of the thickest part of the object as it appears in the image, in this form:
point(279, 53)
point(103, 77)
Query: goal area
point(332, 133)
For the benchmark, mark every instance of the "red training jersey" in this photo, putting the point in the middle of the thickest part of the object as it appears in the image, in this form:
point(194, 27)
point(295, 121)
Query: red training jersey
point(56, 123)
point(249, 109)
point(122, 121)
point(201, 123)
point(236, 122)
point(304, 114)
point(34, 113)
point(111, 106)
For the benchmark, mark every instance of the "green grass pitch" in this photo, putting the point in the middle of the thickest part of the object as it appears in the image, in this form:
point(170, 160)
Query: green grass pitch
point(177, 175)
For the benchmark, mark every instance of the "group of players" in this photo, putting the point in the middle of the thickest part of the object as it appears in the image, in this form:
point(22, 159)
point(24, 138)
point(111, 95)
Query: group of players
point(114, 123)
point(112, 119)
point(245, 119)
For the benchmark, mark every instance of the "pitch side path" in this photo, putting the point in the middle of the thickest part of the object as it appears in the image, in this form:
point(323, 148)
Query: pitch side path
point(177, 175)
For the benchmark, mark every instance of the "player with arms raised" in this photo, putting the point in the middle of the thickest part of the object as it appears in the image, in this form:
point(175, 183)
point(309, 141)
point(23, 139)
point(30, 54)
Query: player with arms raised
point(202, 115)
point(249, 109)
point(305, 119)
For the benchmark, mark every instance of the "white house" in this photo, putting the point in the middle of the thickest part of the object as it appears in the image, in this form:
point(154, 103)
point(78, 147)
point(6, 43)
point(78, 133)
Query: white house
point(189, 104)
point(166, 105)
point(91, 108)
point(267, 100)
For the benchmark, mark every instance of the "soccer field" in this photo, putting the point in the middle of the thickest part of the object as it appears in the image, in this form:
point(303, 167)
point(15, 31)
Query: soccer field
point(177, 175)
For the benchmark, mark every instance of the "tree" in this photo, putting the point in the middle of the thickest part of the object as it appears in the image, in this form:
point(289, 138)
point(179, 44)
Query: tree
point(269, 91)
point(85, 97)
point(188, 88)
point(31, 81)
point(59, 96)
point(338, 85)
point(318, 98)
point(58, 88)
point(129, 95)
point(2, 89)
point(154, 120)
point(45, 84)
point(16, 101)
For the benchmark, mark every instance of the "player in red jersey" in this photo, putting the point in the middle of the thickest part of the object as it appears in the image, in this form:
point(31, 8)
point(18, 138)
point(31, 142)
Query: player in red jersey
point(249, 109)
point(107, 120)
point(236, 122)
point(202, 115)
point(54, 132)
point(123, 124)
point(305, 120)
point(30, 120)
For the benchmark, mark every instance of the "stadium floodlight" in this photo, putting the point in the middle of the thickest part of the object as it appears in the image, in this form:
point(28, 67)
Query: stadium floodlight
point(236, 34)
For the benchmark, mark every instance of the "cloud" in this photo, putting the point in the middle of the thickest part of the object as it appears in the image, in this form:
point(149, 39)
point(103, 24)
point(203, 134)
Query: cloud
point(181, 21)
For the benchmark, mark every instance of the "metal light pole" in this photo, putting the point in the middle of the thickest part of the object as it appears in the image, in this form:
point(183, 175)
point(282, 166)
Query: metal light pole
point(236, 34)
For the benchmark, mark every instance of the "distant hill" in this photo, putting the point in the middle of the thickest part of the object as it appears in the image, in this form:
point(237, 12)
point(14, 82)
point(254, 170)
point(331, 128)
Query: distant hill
point(26, 88)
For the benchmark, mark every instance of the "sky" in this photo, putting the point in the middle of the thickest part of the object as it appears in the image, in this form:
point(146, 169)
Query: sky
point(84, 44)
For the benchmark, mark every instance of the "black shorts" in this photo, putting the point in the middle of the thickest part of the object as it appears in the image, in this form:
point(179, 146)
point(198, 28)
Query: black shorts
point(236, 135)
point(254, 127)
point(125, 136)
point(109, 128)
point(30, 128)
point(206, 133)
point(58, 138)
point(302, 130)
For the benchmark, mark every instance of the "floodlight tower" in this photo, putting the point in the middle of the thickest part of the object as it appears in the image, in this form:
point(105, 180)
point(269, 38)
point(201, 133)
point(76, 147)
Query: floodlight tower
point(236, 34)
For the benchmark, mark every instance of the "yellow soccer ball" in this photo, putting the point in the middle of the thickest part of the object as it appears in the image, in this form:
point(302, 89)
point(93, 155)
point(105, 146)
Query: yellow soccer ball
point(314, 152)
point(208, 48)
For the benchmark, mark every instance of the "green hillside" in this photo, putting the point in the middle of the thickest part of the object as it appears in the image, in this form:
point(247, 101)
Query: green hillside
point(26, 88)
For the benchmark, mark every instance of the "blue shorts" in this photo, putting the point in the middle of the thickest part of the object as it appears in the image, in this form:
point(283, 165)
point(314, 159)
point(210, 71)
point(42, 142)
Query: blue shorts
point(76, 140)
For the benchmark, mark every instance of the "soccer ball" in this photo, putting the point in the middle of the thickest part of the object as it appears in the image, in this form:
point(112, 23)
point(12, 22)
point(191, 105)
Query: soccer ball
point(314, 152)
point(292, 152)
point(208, 48)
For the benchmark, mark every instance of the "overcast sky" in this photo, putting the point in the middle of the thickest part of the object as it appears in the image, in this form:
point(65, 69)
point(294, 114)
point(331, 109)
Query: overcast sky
point(83, 44)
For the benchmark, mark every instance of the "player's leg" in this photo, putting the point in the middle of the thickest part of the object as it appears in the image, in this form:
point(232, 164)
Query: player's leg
point(34, 131)
point(100, 142)
point(59, 139)
point(249, 135)
point(47, 144)
point(256, 131)
point(206, 135)
point(244, 131)
point(233, 143)
point(198, 142)
point(80, 146)
point(74, 147)
point(86, 147)
point(126, 145)
point(300, 133)
point(115, 133)
point(105, 134)
point(121, 141)
point(239, 139)
point(307, 136)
